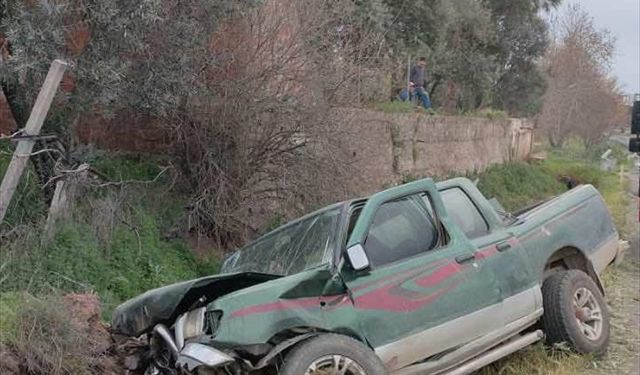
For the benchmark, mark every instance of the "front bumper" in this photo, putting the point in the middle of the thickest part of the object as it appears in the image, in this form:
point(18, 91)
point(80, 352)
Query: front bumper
point(194, 355)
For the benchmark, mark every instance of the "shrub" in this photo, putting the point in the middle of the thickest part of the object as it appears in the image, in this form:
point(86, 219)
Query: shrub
point(517, 185)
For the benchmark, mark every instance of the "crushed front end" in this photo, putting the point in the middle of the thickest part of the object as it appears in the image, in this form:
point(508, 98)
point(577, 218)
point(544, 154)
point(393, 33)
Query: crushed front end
point(188, 347)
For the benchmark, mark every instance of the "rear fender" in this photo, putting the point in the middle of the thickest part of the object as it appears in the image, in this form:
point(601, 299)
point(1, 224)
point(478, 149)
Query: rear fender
point(571, 258)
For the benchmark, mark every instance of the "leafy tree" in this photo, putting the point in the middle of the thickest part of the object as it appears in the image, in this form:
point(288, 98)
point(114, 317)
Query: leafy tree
point(521, 39)
point(148, 55)
point(483, 51)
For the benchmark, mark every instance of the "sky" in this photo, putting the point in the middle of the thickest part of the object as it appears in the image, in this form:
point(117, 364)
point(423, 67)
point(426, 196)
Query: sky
point(622, 18)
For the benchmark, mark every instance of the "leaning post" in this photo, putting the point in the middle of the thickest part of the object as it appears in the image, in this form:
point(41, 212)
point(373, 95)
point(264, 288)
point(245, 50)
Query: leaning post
point(34, 124)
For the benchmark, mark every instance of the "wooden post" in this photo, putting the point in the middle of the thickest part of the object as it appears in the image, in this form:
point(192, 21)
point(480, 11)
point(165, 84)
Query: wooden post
point(63, 198)
point(34, 124)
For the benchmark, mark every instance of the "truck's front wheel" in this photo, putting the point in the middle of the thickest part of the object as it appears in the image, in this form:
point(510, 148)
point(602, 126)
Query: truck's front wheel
point(575, 312)
point(332, 354)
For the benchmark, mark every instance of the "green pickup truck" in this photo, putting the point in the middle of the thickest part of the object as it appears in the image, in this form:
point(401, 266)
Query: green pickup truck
point(422, 278)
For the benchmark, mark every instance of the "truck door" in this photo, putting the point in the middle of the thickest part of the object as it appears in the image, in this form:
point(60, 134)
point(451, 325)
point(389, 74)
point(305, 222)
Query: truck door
point(502, 253)
point(425, 290)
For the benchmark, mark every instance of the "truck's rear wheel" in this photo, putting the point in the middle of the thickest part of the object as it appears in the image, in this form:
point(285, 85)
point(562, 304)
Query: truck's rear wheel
point(332, 354)
point(575, 312)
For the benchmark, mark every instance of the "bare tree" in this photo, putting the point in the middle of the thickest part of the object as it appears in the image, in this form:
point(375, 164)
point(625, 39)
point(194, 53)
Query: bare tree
point(261, 144)
point(581, 100)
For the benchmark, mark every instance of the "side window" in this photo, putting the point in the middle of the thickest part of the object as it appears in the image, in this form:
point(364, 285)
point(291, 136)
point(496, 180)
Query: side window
point(464, 213)
point(401, 229)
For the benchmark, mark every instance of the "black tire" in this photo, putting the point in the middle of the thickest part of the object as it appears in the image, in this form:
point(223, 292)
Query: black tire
point(302, 356)
point(564, 322)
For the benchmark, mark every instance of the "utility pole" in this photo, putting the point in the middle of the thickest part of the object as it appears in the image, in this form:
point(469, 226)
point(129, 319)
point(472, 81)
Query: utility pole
point(34, 124)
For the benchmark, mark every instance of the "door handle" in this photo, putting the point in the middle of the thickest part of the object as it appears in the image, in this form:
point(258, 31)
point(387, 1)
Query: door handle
point(503, 246)
point(462, 259)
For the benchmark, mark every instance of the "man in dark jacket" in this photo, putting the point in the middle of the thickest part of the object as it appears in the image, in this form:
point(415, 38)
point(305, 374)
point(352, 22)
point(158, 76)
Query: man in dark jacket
point(418, 79)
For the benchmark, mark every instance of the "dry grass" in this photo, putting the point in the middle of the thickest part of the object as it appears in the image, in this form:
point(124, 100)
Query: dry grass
point(622, 357)
point(539, 360)
point(44, 340)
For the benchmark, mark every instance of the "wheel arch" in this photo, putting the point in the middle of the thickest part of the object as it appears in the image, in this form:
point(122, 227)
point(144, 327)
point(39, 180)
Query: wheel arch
point(571, 258)
point(287, 338)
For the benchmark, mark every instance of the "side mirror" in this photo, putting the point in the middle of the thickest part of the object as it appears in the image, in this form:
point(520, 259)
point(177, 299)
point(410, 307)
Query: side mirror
point(358, 258)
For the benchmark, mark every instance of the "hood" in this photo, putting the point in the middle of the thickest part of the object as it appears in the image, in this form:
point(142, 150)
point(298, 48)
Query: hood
point(163, 305)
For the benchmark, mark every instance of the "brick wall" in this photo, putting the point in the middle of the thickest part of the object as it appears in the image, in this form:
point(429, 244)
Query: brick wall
point(126, 131)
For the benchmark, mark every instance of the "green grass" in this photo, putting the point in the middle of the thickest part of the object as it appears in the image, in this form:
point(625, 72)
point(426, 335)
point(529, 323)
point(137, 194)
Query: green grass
point(9, 305)
point(490, 113)
point(583, 166)
point(395, 106)
point(518, 184)
point(117, 254)
point(27, 206)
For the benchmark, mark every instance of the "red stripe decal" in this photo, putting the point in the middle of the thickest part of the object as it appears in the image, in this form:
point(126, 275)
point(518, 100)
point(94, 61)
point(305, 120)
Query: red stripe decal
point(301, 303)
point(439, 275)
point(384, 299)
point(332, 302)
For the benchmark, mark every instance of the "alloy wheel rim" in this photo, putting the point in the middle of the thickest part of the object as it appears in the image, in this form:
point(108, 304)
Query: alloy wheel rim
point(335, 364)
point(588, 313)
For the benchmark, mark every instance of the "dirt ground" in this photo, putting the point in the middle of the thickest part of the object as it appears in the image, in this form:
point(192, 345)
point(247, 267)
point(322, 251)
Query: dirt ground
point(623, 296)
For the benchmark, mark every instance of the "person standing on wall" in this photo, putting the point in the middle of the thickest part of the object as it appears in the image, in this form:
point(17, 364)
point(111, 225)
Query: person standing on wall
point(418, 80)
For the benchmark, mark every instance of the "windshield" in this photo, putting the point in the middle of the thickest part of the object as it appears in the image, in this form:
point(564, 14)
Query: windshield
point(296, 247)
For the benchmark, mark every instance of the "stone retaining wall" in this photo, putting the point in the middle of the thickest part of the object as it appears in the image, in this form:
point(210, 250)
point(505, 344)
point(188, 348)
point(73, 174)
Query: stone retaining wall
point(387, 148)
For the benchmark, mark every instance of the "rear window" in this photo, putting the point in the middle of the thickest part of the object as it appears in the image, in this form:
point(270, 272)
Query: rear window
point(464, 213)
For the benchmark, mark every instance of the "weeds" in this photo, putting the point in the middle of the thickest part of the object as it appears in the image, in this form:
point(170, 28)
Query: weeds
point(395, 107)
point(43, 340)
point(490, 113)
point(519, 184)
point(541, 360)
point(27, 206)
point(119, 242)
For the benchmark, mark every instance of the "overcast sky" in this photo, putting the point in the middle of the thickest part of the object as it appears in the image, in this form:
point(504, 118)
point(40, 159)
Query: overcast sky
point(622, 18)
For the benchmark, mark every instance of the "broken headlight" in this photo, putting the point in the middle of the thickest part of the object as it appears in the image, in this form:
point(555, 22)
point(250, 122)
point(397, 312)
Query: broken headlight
point(188, 325)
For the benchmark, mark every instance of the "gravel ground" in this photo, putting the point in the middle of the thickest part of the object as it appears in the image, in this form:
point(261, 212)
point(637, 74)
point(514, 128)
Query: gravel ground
point(623, 296)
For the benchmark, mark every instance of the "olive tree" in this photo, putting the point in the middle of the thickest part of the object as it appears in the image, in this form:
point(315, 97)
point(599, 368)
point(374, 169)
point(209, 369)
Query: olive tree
point(149, 55)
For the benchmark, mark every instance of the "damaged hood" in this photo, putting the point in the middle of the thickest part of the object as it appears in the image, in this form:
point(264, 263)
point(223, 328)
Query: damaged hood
point(163, 305)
